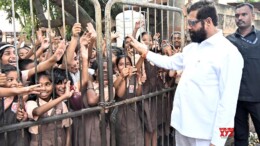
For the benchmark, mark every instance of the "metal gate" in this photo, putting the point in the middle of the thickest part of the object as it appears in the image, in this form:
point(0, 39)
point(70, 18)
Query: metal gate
point(108, 109)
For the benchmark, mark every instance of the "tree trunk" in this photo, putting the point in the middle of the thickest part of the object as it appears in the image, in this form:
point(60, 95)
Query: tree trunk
point(70, 7)
point(70, 14)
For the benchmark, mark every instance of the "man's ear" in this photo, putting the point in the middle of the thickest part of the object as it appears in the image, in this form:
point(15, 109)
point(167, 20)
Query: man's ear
point(253, 16)
point(208, 21)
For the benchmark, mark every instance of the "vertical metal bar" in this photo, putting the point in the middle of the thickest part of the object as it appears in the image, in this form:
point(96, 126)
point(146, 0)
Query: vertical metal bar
point(77, 11)
point(140, 19)
point(182, 31)
point(136, 119)
point(167, 98)
point(50, 50)
point(76, 134)
point(127, 82)
point(155, 19)
point(80, 70)
point(78, 46)
point(148, 21)
point(143, 127)
point(172, 17)
point(124, 19)
point(162, 24)
point(162, 36)
point(16, 53)
point(3, 108)
point(22, 142)
point(33, 39)
point(133, 26)
point(6, 139)
point(64, 37)
point(84, 129)
point(17, 66)
point(55, 134)
point(15, 40)
point(100, 65)
point(65, 53)
point(168, 21)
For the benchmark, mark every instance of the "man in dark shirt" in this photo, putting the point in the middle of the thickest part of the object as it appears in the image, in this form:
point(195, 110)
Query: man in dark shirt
point(246, 39)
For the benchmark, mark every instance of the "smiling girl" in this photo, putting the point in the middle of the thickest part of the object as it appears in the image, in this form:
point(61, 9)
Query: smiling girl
point(47, 106)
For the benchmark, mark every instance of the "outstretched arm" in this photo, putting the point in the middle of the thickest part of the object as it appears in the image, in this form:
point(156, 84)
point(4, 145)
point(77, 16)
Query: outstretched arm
point(38, 111)
point(51, 61)
point(76, 29)
point(138, 24)
point(5, 92)
point(174, 62)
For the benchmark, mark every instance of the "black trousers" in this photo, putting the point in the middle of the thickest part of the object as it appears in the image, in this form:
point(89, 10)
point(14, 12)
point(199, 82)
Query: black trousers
point(245, 108)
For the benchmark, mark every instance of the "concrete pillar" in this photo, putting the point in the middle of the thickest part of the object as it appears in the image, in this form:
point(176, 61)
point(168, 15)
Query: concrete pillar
point(177, 18)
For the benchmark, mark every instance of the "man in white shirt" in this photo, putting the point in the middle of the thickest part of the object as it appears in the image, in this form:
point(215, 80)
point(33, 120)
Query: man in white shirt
point(206, 97)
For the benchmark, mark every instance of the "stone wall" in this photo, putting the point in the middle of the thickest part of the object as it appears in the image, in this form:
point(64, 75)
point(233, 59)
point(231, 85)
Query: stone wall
point(227, 18)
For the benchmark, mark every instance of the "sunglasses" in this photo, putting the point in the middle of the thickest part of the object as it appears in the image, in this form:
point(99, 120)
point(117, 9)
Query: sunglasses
point(193, 22)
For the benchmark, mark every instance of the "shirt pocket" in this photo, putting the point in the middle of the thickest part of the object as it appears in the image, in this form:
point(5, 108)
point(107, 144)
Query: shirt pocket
point(204, 73)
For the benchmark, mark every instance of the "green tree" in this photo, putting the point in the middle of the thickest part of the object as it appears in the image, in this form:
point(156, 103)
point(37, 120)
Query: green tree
point(22, 12)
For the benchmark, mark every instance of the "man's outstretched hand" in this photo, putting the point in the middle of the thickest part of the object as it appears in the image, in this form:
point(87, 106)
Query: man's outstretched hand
point(141, 48)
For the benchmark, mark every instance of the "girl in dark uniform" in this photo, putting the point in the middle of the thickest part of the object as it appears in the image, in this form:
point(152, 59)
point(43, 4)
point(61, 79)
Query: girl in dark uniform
point(152, 107)
point(10, 109)
point(128, 123)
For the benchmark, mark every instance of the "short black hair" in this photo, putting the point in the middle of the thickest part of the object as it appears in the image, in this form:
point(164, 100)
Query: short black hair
point(39, 75)
point(24, 62)
point(60, 75)
point(205, 9)
point(123, 56)
point(8, 68)
point(142, 34)
point(245, 4)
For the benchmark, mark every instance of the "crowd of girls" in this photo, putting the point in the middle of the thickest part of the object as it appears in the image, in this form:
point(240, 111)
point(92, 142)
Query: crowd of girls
point(62, 76)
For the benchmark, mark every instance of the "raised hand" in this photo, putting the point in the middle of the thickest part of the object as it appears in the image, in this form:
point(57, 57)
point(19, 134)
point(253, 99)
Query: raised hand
point(45, 44)
point(85, 39)
point(140, 47)
point(21, 115)
point(2, 79)
point(125, 72)
point(114, 35)
point(60, 50)
point(132, 71)
point(68, 93)
point(76, 29)
point(84, 52)
point(156, 36)
point(139, 24)
point(92, 31)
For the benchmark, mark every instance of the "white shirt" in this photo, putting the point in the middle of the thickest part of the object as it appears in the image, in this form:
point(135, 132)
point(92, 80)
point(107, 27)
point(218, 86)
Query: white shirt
point(206, 96)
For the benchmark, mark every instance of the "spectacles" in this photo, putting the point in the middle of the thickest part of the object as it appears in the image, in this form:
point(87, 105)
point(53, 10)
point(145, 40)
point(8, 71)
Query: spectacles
point(193, 22)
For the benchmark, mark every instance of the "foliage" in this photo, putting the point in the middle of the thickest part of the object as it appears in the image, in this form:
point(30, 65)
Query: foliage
point(22, 11)
point(251, 1)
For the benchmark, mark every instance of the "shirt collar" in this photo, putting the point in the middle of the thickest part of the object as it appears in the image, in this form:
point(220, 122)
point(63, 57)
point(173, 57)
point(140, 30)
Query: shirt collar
point(214, 38)
point(252, 31)
point(42, 102)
